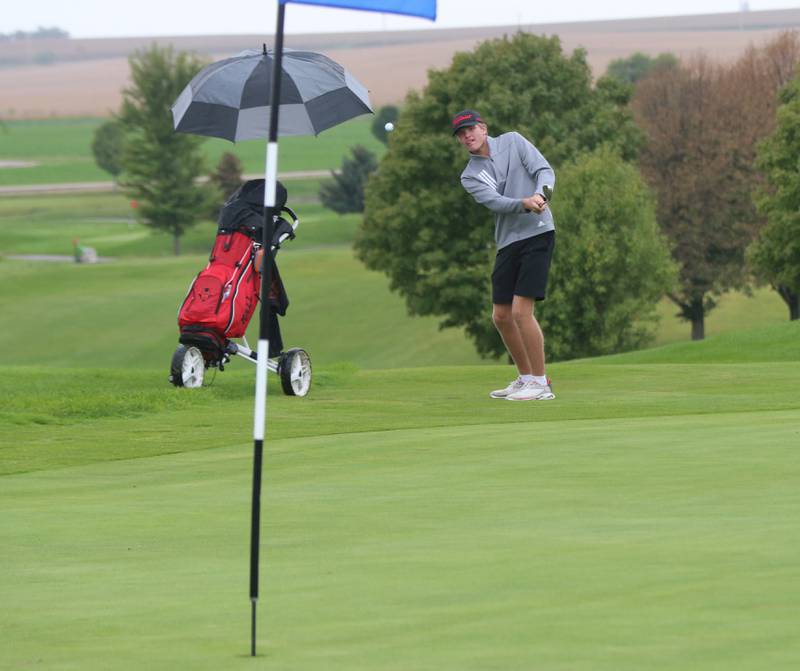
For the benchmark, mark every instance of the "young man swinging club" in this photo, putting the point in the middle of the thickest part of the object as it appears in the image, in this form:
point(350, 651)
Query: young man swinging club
point(508, 175)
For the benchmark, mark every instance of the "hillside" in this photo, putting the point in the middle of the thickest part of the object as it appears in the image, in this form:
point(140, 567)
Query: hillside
point(51, 77)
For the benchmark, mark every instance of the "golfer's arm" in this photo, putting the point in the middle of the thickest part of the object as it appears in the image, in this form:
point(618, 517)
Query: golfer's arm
point(489, 198)
point(537, 166)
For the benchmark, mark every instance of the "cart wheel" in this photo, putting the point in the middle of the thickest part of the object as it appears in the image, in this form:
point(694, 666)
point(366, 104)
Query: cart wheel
point(295, 371)
point(188, 367)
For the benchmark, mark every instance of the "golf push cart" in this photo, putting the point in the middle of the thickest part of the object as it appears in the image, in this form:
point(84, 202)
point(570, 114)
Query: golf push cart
point(223, 297)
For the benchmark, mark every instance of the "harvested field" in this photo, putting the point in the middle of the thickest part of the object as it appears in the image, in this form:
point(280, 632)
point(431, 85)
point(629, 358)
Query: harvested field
point(88, 75)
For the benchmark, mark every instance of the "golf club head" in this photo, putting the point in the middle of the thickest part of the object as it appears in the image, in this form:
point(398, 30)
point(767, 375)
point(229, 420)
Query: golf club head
point(547, 192)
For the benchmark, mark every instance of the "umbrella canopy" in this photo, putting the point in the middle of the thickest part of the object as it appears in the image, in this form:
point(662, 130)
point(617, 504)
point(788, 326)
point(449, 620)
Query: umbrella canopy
point(231, 98)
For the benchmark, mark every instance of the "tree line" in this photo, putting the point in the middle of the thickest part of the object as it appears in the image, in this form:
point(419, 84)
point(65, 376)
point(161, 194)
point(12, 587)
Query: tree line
point(707, 156)
point(41, 33)
point(674, 178)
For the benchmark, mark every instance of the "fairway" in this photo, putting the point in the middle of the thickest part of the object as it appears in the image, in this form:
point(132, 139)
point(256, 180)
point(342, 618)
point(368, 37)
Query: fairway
point(60, 150)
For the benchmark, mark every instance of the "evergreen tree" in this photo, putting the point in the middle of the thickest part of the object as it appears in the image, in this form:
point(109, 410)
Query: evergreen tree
point(346, 192)
point(161, 166)
point(107, 147)
point(227, 178)
point(637, 66)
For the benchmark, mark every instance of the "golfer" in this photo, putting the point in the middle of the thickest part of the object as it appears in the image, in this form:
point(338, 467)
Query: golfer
point(508, 175)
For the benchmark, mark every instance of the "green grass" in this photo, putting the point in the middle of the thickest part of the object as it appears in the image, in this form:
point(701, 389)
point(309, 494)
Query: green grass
point(48, 225)
point(75, 412)
point(758, 344)
point(646, 519)
point(123, 314)
point(85, 404)
point(409, 521)
point(62, 150)
point(608, 545)
point(735, 312)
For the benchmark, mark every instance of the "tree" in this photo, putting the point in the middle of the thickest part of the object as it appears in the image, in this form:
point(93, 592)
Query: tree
point(686, 160)
point(762, 72)
point(386, 114)
point(775, 255)
point(346, 192)
point(612, 264)
point(637, 66)
point(227, 178)
point(695, 162)
point(699, 157)
point(420, 227)
point(161, 166)
point(40, 33)
point(765, 71)
point(107, 147)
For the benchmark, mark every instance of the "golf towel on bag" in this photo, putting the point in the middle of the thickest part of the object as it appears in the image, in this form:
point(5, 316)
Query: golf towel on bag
point(224, 295)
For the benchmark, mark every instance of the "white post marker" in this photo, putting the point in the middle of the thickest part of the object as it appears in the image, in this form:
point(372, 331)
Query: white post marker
point(260, 413)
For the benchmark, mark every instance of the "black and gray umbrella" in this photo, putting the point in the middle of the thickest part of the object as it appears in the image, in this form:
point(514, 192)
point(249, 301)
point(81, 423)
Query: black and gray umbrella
point(231, 98)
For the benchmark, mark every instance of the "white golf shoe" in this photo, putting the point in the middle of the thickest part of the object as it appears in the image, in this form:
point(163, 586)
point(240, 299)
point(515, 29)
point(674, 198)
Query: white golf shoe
point(532, 391)
point(516, 385)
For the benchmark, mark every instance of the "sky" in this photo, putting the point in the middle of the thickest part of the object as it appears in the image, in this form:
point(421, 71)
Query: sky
point(96, 18)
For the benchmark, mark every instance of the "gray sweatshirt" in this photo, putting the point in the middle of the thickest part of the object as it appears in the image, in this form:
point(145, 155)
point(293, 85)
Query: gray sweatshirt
point(513, 170)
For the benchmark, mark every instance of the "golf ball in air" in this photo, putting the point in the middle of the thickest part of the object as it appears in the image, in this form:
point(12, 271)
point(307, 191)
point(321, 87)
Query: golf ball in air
point(388, 127)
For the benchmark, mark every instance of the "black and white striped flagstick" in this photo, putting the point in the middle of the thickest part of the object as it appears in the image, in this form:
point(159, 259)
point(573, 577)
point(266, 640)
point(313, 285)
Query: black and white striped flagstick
point(260, 413)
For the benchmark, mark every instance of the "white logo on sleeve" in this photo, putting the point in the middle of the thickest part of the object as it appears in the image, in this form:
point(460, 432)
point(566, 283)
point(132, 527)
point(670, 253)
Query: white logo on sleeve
point(486, 178)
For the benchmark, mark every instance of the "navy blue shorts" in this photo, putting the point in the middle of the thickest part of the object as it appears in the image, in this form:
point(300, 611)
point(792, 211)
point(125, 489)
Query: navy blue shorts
point(521, 269)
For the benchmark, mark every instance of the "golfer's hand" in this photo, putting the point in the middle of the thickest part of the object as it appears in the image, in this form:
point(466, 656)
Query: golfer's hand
point(535, 203)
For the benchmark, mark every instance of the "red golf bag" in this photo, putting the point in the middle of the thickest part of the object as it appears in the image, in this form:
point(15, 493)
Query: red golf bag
point(223, 297)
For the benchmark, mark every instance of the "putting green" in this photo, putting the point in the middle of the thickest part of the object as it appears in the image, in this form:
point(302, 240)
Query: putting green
point(654, 542)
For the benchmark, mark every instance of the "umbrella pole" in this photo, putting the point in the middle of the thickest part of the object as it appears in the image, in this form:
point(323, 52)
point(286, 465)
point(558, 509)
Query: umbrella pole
point(260, 414)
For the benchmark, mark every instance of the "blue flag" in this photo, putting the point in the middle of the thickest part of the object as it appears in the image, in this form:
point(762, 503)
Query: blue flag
point(425, 9)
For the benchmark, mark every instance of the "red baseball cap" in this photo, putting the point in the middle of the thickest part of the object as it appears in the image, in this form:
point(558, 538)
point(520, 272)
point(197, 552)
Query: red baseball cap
point(465, 118)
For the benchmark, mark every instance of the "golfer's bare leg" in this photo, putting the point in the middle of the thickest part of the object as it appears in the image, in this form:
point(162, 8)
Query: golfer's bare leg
point(507, 327)
point(530, 332)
